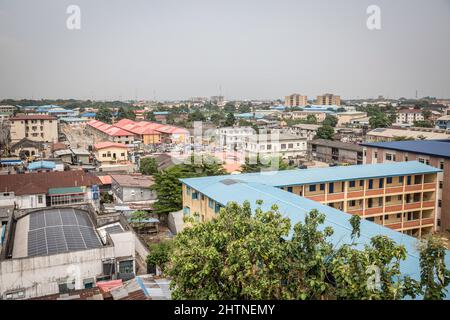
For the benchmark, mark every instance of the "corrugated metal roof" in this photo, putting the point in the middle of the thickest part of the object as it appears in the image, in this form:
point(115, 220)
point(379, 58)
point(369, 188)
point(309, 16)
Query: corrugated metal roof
point(69, 190)
point(322, 175)
point(438, 148)
point(41, 165)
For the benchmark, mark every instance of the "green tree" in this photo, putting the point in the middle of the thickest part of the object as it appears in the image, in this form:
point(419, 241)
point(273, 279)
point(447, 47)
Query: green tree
point(150, 116)
point(229, 107)
point(197, 115)
point(259, 164)
point(160, 254)
point(243, 254)
point(434, 275)
point(245, 108)
point(330, 120)
point(379, 121)
point(423, 124)
point(311, 119)
point(217, 118)
point(138, 219)
point(230, 120)
point(125, 113)
point(148, 166)
point(168, 187)
point(104, 114)
point(325, 132)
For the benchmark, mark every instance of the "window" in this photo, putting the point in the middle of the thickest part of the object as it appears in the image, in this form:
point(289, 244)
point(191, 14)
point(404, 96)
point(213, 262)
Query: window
point(331, 188)
point(361, 183)
point(194, 195)
point(370, 184)
point(388, 199)
point(188, 190)
point(441, 165)
point(104, 155)
point(408, 180)
point(123, 154)
point(186, 211)
point(322, 186)
point(389, 180)
point(289, 189)
point(372, 219)
point(441, 184)
point(40, 199)
point(390, 157)
point(203, 197)
point(211, 203)
point(269, 147)
point(217, 208)
point(421, 160)
point(440, 203)
point(406, 158)
point(15, 295)
point(400, 179)
point(352, 203)
point(386, 217)
point(312, 188)
point(352, 184)
point(290, 145)
point(283, 146)
point(380, 183)
point(399, 215)
point(375, 155)
point(370, 203)
point(126, 266)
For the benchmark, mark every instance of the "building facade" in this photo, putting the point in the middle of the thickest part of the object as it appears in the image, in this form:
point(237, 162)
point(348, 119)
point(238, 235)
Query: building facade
point(42, 128)
point(296, 100)
point(287, 146)
point(328, 99)
point(435, 153)
point(335, 152)
point(409, 116)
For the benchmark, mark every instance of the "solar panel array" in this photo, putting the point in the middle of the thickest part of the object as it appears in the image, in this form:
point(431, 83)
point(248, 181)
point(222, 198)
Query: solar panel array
point(60, 230)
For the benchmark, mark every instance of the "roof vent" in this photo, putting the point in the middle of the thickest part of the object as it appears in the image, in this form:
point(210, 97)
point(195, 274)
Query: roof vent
point(229, 182)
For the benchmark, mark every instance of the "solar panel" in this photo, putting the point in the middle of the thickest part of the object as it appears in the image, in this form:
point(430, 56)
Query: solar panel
point(114, 229)
point(82, 219)
point(90, 238)
point(68, 217)
point(37, 220)
point(73, 238)
point(37, 244)
point(52, 218)
point(55, 240)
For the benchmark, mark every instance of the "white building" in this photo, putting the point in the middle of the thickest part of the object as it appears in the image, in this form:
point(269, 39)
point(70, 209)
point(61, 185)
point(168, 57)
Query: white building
point(306, 131)
point(275, 144)
point(233, 137)
point(409, 116)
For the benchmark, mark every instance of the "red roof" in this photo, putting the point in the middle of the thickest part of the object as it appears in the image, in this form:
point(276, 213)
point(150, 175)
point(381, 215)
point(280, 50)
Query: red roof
point(108, 144)
point(40, 182)
point(32, 117)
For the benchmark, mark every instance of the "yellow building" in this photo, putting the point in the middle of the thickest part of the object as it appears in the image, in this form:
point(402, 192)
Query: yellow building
point(43, 128)
point(111, 153)
point(296, 100)
point(328, 99)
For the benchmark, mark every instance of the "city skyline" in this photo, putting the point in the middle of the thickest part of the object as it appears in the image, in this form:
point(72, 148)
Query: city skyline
point(172, 50)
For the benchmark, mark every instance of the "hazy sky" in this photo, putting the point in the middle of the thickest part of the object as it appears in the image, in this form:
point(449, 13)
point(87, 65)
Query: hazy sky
point(174, 49)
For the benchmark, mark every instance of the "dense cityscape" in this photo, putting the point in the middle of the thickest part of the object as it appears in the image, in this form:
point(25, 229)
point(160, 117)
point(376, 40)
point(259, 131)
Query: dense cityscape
point(322, 192)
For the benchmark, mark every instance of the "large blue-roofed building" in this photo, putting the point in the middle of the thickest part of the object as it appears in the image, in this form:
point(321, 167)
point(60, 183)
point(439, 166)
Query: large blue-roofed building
point(337, 192)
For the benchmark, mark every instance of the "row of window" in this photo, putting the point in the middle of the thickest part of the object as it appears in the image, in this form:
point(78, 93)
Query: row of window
point(195, 196)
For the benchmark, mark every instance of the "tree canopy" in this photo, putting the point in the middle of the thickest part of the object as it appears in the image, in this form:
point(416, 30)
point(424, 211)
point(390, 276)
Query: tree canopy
point(168, 186)
point(230, 120)
point(246, 254)
point(148, 166)
point(325, 132)
point(104, 114)
point(259, 164)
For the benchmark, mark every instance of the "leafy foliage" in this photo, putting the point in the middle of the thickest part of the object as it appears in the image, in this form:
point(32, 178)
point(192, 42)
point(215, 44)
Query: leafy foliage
point(325, 132)
point(264, 164)
point(160, 254)
point(168, 186)
point(330, 120)
point(230, 120)
point(148, 166)
point(104, 114)
point(246, 255)
point(125, 113)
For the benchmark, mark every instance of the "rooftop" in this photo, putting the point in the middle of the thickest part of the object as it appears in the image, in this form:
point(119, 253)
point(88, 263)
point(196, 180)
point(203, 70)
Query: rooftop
point(321, 175)
point(41, 182)
point(131, 180)
point(53, 231)
point(429, 134)
point(438, 148)
point(108, 144)
point(337, 144)
point(32, 117)
point(41, 165)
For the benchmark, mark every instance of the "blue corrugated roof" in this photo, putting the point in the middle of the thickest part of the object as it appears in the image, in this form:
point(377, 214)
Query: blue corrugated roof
point(88, 115)
point(41, 165)
point(322, 175)
point(438, 148)
point(239, 189)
